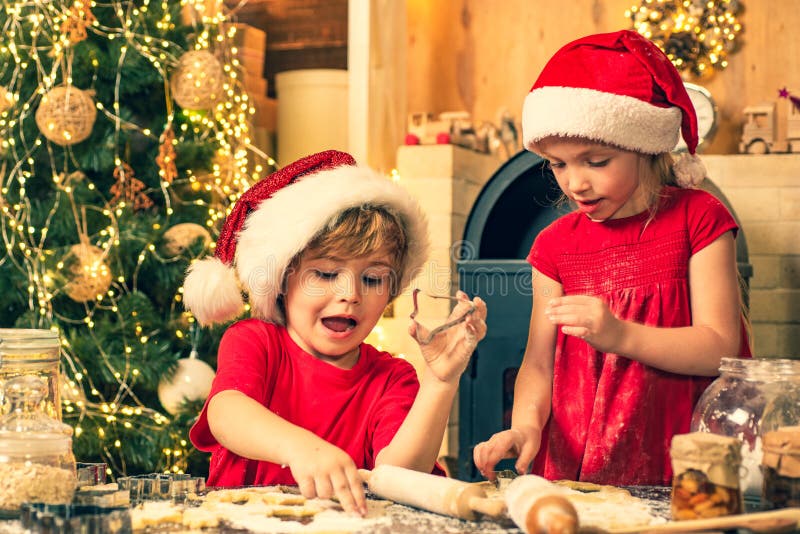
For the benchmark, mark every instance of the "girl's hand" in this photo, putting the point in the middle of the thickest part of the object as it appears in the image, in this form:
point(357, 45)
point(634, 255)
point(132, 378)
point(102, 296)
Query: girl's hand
point(521, 443)
point(326, 471)
point(587, 318)
point(448, 353)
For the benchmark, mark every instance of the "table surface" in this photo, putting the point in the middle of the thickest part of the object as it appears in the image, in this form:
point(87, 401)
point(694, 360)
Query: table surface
point(406, 520)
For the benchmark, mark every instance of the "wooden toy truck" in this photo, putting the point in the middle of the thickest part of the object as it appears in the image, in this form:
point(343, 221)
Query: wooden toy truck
point(761, 134)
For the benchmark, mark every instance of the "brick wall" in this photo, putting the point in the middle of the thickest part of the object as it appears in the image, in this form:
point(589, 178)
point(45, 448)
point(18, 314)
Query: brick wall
point(764, 190)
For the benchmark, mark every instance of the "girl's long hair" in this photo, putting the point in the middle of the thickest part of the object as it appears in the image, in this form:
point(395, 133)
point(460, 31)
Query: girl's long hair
point(656, 171)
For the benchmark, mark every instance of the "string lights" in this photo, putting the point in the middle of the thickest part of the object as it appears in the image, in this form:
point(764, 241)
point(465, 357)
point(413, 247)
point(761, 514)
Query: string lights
point(127, 328)
point(696, 35)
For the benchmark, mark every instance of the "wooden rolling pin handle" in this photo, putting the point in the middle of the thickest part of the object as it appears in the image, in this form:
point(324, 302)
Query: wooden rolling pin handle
point(490, 507)
point(552, 514)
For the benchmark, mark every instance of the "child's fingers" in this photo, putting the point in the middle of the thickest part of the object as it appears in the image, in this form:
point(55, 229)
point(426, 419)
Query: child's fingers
point(308, 488)
point(349, 492)
point(358, 491)
point(324, 487)
point(480, 457)
point(486, 455)
point(577, 331)
point(476, 330)
point(480, 307)
point(525, 457)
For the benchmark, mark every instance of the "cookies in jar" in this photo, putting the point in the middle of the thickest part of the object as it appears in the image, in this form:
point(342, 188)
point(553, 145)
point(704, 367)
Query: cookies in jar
point(705, 476)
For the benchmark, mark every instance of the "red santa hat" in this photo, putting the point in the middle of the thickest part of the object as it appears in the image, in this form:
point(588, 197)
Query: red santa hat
point(276, 218)
point(617, 88)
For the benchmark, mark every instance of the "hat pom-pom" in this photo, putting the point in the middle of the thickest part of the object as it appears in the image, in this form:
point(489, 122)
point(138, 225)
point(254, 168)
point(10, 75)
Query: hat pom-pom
point(689, 170)
point(211, 292)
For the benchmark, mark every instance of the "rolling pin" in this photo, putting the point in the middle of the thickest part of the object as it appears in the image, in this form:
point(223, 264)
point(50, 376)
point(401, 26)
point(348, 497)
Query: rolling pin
point(441, 495)
point(538, 506)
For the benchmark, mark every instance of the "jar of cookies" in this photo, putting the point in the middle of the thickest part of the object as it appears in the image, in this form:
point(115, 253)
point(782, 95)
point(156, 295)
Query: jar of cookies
point(32, 352)
point(781, 468)
point(36, 460)
point(705, 476)
point(750, 396)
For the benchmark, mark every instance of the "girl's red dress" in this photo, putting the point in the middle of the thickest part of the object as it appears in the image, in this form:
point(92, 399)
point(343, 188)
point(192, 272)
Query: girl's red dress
point(613, 418)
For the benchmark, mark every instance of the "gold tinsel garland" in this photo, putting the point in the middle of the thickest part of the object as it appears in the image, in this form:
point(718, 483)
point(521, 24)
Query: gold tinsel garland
point(696, 35)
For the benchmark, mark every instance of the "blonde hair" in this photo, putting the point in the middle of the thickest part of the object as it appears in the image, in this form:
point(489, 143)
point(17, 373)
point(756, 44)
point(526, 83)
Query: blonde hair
point(359, 231)
point(657, 171)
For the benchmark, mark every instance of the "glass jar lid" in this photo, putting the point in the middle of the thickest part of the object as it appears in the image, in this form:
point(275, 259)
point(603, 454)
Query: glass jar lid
point(719, 457)
point(29, 344)
point(782, 451)
point(26, 429)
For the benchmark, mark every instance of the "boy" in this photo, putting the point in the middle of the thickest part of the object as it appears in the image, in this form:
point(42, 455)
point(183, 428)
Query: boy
point(321, 247)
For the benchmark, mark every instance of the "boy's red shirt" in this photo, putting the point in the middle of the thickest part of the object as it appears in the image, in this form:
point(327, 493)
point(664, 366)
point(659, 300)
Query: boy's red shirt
point(359, 410)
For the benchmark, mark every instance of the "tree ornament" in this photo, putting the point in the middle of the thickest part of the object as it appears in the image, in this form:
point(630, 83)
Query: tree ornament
point(86, 271)
point(191, 381)
point(128, 189)
point(166, 155)
point(198, 80)
point(78, 17)
point(66, 115)
point(6, 99)
point(178, 238)
point(696, 35)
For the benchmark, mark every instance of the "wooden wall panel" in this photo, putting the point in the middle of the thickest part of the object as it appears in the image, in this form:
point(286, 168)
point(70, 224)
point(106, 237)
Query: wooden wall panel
point(483, 55)
point(301, 34)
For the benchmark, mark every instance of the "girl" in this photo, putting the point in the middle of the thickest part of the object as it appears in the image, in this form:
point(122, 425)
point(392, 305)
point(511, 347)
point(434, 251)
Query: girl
point(321, 247)
point(635, 294)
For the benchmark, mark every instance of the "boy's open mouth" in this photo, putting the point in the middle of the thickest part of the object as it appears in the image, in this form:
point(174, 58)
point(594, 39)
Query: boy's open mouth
point(339, 324)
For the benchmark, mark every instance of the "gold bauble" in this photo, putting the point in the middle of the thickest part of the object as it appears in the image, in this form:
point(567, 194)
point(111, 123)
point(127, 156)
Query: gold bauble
point(87, 273)
point(198, 80)
point(66, 115)
point(180, 237)
point(6, 99)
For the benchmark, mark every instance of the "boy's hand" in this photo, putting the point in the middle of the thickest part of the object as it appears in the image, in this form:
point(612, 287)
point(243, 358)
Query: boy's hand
point(519, 443)
point(326, 471)
point(587, 318)
point(448, 353)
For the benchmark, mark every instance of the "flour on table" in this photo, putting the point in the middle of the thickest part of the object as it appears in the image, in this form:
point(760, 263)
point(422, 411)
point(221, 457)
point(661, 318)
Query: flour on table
point(607, 508)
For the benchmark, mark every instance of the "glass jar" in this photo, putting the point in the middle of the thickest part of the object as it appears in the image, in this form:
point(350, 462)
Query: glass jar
point(781, 468)
point(32, 352)
point(705, 482)
point(750, 396)
point(36, 460)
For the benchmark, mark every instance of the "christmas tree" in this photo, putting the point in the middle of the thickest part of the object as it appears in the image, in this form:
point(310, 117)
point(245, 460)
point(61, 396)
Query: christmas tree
point(125, 138)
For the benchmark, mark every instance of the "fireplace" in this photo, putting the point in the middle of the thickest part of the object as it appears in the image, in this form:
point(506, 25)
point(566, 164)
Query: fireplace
point(515, 204)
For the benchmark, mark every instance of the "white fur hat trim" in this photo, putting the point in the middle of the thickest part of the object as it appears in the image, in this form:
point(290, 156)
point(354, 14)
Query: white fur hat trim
point(619, 120)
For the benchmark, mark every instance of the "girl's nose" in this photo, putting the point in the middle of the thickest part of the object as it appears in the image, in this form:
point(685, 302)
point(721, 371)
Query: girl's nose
point(577, 182)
